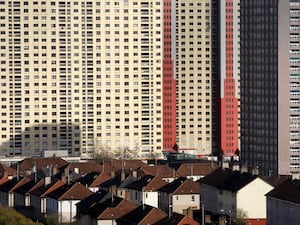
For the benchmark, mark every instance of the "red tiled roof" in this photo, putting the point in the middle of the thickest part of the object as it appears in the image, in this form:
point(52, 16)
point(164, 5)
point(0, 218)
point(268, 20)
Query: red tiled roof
point(115, 165)
point(75, 191)
point(3, 180)
point(6, 170)
point(155, 184)
point(100, 179)
point(44, 190)
point(29, 163)
point(153, 216)
point(157, 170)
point(86, 167)
point(195, 169)
point(177, 219)
point(121, 209)
point(188, 187)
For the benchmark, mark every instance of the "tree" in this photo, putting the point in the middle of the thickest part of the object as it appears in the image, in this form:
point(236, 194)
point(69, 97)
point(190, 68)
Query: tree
point(11, 217)
point(241, 217)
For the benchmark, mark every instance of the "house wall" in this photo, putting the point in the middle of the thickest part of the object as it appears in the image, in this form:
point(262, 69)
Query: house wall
point(217, 200)
point(181, 202)
point(151, 198)
point(121, 192)
point(19, 199)
point(3, 198)
point(11, 199)
point(136, 196)
point(52, 206)
point(106, 222)
point(282, 212)
point(163, 201)
point(226, 203)
point(68, 210)
point(252, 199)
point(94, 189)
point(35, 201)
point(209, 197)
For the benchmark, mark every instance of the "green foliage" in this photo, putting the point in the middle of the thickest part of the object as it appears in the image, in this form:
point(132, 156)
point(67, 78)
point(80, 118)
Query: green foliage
point(11, 217)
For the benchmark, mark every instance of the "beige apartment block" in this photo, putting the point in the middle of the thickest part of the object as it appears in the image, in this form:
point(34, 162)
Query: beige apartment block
point(194, 74)
point(85, 76)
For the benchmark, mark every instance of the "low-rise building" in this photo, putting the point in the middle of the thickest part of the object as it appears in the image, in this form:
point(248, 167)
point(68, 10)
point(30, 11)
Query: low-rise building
point(62, 201)
point(231, 192)
point(283, 203)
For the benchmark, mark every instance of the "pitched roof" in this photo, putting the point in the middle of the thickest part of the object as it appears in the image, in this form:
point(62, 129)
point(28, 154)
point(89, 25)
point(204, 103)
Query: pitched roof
point(14, 183)
point(3, 179)
point(217, 177)
point(88, 179)
point(144, 214)
point(157, 170)
point(85, 204)
point(139, 184)
point(227, 179)
point(171, 187)
point(118, 211)
point(84, 168)
point(27, 187)
point(147, 183)
point(181, 185)
point(177, 218)
point(116, 180)
point(7, 171)
point(188, 187)
point(73, 191)
point(100, 179)
point(288, 190)
point(42, 191)
point(155, 184)
point(28, 163)
point(128, 180)
point(195, 169)
point(98, 208)
point(115, 165)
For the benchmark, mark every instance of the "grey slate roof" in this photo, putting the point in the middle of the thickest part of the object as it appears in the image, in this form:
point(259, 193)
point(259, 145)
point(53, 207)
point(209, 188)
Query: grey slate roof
point(288, 190)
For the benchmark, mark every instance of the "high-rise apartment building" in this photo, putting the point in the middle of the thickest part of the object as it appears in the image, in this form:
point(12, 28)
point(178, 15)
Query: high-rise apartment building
point(259, 87)
point(197, 75)
point(288, 87)
point(270, 71)
point(85, 76)
point(229, 77)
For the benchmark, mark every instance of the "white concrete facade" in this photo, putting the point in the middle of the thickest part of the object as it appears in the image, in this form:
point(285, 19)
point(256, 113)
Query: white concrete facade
point(82, 77)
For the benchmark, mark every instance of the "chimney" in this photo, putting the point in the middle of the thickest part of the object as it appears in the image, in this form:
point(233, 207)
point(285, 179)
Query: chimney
point(134, 173)
point(47, 180)
point(122, 176)
point(255, 171)
point(112, 173)
point(54, 169)
point(127, 195)
point(188, 212)
point(113, 189)
point(244, 168)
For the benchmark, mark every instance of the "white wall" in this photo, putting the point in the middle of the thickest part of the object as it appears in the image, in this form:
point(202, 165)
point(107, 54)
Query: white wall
point(252, 199)
point(106, 222)
point(181, 202)
point(68, 210)
point(151, 198)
